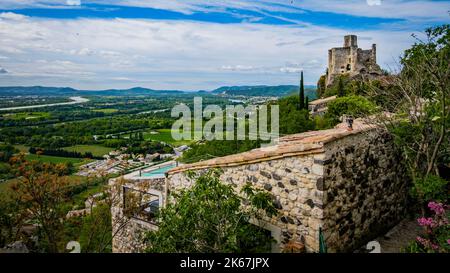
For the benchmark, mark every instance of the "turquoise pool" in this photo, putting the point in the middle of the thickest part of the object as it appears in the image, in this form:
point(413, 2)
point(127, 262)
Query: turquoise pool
point(158, 173)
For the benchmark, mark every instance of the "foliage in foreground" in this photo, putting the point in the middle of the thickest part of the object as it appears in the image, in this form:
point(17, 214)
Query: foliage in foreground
point(436, 238)
point(422, 114)
point(210, 217)
point(34, 210)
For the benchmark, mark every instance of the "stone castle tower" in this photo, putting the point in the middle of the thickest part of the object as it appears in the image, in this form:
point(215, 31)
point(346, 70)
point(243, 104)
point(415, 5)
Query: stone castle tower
point(352, 60)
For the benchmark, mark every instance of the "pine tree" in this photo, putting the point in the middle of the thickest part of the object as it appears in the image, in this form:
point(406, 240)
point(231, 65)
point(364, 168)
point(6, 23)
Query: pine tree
point(302, 93)
point(340, 91)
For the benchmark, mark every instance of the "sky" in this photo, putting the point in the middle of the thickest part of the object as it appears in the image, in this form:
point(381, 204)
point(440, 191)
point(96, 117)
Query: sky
point(197, 45)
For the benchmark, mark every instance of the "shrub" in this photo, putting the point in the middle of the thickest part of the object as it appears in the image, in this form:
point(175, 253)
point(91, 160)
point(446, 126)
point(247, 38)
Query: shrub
point(437, 231)
point(211, 217)
point(356, 106)
point(431, 187)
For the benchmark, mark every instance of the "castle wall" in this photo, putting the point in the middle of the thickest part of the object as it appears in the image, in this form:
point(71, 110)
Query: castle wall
point(339, 61)
point(351, 60)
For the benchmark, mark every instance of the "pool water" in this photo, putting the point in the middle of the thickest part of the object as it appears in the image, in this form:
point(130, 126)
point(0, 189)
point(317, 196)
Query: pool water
point(158, 173)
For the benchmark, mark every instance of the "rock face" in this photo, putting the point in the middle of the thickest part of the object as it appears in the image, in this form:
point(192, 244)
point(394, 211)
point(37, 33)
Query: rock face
point(351, 60)
point(353, 188)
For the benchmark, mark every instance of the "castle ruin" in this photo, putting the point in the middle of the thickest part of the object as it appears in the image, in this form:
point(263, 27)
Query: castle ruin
point(351, 60)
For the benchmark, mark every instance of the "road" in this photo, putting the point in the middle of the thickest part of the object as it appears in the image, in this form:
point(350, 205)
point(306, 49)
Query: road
point(75, 100)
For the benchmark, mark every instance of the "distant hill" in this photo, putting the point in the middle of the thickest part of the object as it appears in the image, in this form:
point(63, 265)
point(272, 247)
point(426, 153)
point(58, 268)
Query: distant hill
point(36, 90)
point(263, 90)
point(67, 91)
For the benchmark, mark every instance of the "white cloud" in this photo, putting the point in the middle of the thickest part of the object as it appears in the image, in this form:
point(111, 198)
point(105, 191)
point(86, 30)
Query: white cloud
point(407, 9)
point(81, 52)
point(88, 53)
point(373, 2)
point(73, 2)
point(414, 9)
point(12, 16)
point(238, 67)
point(291, 69)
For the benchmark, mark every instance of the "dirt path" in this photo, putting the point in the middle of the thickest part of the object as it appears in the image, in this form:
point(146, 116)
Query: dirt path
point(399, 237)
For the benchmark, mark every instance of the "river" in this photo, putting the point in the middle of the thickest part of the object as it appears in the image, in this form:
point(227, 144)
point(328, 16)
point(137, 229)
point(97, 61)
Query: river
point(75, 100)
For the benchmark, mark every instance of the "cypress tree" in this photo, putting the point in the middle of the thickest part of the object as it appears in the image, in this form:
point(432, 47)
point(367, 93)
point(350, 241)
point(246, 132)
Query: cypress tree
point(340, 91)
point(306, 102)
point(302, 93)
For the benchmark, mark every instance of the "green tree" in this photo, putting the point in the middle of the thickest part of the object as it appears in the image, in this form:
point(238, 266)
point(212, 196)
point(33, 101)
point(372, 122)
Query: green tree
point(11, 222)
point(301, 93)
point(211, 217)
point(321, 86)
point(6, 152)
point(96, 233)
point(292, 120)
point(355, 106)
point(41, 193)
point(340, 88)
point(421, 111)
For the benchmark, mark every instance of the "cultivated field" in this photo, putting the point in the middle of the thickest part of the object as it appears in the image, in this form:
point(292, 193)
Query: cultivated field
point(96, 150)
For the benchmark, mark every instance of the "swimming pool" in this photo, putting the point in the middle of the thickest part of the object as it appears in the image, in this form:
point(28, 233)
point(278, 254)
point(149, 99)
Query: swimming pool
point(158, 173)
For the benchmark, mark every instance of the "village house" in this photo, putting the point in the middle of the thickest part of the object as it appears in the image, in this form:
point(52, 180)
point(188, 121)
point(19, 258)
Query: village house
point(344, 184)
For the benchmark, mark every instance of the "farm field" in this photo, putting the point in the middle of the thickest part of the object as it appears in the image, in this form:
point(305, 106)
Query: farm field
point(106, 110)
point(26, 115)
point(56, 159)
point(165, 135)
point(96, 150)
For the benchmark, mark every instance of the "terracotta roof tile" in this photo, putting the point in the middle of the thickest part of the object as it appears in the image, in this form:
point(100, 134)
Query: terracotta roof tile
point(291, 145)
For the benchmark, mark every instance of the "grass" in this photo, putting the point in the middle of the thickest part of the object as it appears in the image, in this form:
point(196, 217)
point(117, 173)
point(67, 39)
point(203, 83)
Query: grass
point(22, 148)
point(57, 159)
point(96, 150)
point(106, 110)
point(27, 115)
point(165, 135)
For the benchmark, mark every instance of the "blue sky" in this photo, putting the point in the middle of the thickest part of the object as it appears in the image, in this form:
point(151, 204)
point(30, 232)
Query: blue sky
point(191, 45)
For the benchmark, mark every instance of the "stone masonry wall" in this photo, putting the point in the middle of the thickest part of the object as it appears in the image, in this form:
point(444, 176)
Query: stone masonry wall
point(364, 189)
point(351, 60)
point(128, 232)
point(349, 183)
point(292, 181)
point(354, 190)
